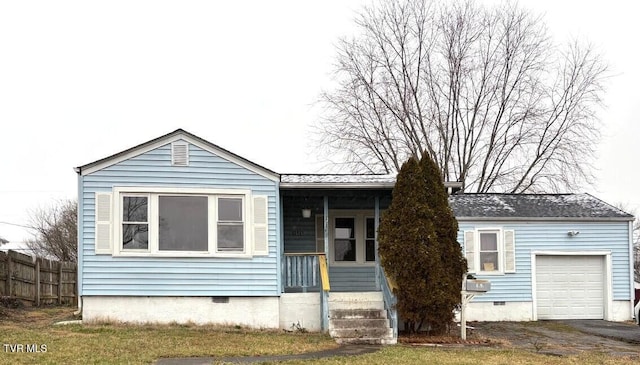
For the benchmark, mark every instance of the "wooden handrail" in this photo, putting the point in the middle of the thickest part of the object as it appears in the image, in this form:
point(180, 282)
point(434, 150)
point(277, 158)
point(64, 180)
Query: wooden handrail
point(324, 272)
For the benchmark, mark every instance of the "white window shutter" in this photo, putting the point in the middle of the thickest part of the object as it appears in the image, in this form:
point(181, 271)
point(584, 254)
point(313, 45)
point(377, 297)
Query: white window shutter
point(103, 231)
point(180, 154)
point(509, 251)
point(469, 250)
point(260, 225)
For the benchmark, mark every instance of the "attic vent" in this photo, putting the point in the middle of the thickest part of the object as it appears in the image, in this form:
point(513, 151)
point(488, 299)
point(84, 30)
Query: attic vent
point(180, 154)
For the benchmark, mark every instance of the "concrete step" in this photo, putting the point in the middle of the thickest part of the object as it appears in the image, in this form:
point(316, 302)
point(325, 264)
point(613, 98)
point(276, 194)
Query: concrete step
point(357, 313)
point(365, 333)
point(359, 318)
point(359, 323)
point(358, 305)
point(365, 300)
point(366, 341)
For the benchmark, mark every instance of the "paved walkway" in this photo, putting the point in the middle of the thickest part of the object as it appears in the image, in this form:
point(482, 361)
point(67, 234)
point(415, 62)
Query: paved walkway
point(347, 350)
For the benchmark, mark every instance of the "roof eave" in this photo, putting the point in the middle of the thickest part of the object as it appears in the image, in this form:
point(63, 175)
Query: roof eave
point(546, 219)
point(342, 185)
point(177, 134)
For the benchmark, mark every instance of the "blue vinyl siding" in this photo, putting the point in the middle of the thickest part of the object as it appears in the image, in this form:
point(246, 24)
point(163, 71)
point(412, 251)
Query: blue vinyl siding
point(552, 236)
point(352, 278)
point(180, 276)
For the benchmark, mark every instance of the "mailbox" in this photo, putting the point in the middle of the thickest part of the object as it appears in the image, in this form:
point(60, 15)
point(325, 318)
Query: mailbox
point(478, 286)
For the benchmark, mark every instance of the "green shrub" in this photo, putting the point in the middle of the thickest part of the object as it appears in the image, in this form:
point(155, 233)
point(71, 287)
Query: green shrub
point(418, 248)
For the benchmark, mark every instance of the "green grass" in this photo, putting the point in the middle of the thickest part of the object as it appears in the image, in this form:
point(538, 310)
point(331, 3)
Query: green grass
point(117, 343)
point(130, 344)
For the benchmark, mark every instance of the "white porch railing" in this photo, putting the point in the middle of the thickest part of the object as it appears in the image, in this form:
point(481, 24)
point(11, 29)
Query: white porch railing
point(302, 271)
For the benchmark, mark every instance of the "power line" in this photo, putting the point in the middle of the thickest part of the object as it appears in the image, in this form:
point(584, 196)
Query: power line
point(15, 224)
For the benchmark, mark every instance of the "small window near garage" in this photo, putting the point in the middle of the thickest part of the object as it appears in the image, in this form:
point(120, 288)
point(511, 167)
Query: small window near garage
point(489, 251)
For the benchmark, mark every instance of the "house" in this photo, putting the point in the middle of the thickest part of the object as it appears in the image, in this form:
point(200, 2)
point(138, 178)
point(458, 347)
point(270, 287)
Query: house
point(178, 229)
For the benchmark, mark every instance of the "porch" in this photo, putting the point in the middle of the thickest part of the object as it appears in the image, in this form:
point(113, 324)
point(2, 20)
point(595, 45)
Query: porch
point(342, 226)
point(328, 231)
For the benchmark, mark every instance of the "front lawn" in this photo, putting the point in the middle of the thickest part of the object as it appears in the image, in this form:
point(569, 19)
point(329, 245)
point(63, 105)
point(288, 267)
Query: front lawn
point(114, 343)
point(120, 344)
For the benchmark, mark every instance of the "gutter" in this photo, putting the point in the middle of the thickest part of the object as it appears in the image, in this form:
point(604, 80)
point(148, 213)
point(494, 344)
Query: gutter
point(336, 185)
point(544, 219)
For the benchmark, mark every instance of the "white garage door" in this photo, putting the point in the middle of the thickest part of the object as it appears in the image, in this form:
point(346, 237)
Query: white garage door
point(570, 287)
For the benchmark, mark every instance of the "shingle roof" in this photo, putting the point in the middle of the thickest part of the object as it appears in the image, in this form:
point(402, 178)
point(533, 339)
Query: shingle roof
point(513, 206)
point(337, 180)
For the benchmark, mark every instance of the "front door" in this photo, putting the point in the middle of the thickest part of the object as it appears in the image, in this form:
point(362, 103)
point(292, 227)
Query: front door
point(351, 249)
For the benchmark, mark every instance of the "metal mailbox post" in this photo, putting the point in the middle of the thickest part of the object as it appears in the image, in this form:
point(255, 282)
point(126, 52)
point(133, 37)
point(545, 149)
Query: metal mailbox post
point(470, 287)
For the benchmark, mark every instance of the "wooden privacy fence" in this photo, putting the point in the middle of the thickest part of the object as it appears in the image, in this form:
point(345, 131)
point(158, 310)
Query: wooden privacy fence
point(39, 281)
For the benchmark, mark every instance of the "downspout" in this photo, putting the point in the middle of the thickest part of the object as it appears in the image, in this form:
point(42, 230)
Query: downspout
point(376, 222)
point(279, 241)
point(325, 295)
point(80, 233)
point(631, 271)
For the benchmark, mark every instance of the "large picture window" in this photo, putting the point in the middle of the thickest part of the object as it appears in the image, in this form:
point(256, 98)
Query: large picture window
point(185, 222)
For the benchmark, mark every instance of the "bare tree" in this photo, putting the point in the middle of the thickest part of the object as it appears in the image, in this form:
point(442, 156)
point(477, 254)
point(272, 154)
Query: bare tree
point(55, 231)
point(483, 90)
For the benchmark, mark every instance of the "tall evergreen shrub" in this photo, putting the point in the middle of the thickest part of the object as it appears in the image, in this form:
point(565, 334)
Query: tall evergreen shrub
point(419, 250)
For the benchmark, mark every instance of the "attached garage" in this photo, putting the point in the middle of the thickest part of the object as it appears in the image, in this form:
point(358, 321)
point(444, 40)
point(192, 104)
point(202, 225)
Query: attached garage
point(547, 256)
point(570, 286)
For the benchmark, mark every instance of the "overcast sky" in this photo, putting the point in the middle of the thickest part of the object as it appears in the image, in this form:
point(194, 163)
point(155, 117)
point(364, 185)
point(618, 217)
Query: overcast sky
point(81, 80)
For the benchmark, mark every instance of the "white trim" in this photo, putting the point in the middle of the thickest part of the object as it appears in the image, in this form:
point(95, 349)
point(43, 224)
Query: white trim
point(153, 193)
point(632, 292)
point(173, 138)
point(608, 280)
point(216, 221)
point(501, 252)
point(170, 190)
point(365, 238)
point(506, 220)
point(359, 216)
point(342, 185)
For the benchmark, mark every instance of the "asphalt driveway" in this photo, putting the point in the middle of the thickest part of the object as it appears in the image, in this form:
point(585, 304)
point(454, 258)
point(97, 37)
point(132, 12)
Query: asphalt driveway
point(565, 337)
